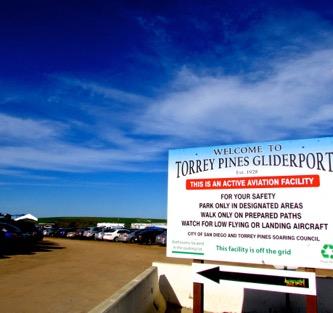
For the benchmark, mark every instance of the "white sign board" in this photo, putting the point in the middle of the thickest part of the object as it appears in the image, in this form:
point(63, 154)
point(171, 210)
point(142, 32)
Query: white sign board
point(256, 278)
point(263, 203)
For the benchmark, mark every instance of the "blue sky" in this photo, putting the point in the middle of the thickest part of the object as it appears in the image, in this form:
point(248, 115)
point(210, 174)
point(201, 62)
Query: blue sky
point(93, 94)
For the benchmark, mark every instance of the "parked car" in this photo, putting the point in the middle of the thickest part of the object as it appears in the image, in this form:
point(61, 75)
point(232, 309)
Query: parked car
point(114, 234)
point(31, 231)
point(100, 235)
point(11, 236)
point(148, 236)
point(79, 232)
point(133, 236)
point(71, 234)
point(125, 237)
point(62, 232)
point(91, 232)
point(50, 231)
point(161, 239)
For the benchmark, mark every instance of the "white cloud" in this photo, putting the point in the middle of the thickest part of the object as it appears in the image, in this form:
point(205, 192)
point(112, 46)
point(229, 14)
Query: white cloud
point(23, 129)
point(66, 157)
point(107, 92)
point(296, 99)
point(297, 96)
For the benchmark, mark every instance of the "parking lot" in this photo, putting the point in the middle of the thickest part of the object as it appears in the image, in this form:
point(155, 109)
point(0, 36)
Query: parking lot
point(62, 275)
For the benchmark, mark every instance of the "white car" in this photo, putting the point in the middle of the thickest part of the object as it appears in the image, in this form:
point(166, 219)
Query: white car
point(100, 235)
point(113, 234)
point(91, 232)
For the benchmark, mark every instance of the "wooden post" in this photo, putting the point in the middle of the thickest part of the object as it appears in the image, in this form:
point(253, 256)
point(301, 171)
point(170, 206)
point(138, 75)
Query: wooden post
point(198, 294)
point(287, 298)
point(288, 310)
point(311, 304)
point(311, 301)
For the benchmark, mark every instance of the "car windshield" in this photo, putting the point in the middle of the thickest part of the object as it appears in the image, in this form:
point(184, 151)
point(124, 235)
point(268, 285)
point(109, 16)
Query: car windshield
point(8, 227)
point(97, 229)
point(109, 230)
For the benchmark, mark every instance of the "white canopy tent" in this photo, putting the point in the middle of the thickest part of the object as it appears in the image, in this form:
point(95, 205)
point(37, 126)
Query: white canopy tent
point(27, 217)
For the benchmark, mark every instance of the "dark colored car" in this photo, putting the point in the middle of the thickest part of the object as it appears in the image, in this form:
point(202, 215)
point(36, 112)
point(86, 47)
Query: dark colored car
point(71, 233)
point(79, 232)
point(148, 236)
point(49, 231)
point(10, 236)
point(30, 230)
point(62, 232)
point(133, 236)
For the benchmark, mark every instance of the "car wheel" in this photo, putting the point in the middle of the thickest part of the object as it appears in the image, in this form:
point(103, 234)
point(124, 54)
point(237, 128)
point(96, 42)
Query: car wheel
point(116, 239)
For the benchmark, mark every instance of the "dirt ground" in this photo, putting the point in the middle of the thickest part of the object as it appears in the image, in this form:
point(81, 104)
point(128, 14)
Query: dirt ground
point(71, 276)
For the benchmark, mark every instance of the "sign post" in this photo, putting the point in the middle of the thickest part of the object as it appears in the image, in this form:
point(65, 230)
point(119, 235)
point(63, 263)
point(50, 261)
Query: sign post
point(311, 300)
point(198, 294)
point(311, 304)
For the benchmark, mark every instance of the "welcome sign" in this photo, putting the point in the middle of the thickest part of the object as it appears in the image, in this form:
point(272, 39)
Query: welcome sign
point(263, 203)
